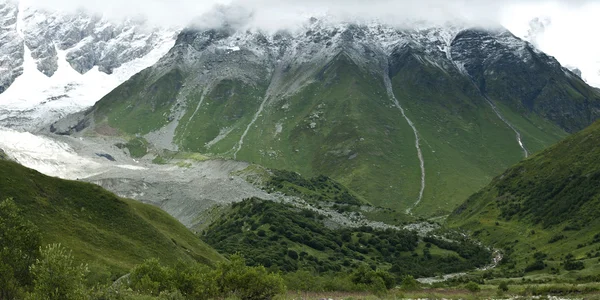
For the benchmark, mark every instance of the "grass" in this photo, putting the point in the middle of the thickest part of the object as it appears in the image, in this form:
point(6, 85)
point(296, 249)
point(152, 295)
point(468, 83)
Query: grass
point(547, 203)
point(138, 147)
point(109, 233)
point(140, 105)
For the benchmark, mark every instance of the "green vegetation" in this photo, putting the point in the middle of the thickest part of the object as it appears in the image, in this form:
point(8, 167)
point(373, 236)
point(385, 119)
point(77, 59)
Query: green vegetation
point(289, 239)
point(316, 190)
point(231, 279)
point(141, 105)
point(138, 147)
point(343, 125)
point(57, 277)
point(549, 203)
point(109, 233)
point(19, 242)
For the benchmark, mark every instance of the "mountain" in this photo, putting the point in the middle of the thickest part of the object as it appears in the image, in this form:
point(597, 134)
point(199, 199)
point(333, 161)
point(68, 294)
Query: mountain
point(414, 119)
point(549, 203)
point(109, 233)
point(55, 63)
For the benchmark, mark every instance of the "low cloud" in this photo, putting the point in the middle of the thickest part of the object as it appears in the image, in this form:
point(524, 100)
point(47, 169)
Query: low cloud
point(275, 14)
point(568, 25)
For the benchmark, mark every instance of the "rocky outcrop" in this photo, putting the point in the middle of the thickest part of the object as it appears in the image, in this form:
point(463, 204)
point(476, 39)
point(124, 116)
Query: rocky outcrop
point(88, 40)
point(11, 45)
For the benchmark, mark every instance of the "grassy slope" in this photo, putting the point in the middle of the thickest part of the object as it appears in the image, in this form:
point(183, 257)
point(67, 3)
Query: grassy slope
point(464, 143)
point(109, 233)
point(554, 193)
point(340, 126)
point(140, 105)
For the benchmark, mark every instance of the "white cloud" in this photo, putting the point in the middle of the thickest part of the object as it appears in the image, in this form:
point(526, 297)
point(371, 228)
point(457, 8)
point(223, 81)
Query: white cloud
point(570, 37)
point(569, 33)
point(274, 13)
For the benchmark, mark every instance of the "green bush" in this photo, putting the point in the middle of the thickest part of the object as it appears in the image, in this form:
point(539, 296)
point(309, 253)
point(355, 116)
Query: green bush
point(19, 248)
point(377, 282)
point(571, 265)
point(229, 279)
point(234, 278)
point(409, 283)
point(472, 287)
point(151, 278)
point(57, 277)
point(503, 286)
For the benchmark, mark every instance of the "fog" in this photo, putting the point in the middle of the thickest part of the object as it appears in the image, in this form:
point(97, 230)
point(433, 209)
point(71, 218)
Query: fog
point(270, 14)
point(566, 29)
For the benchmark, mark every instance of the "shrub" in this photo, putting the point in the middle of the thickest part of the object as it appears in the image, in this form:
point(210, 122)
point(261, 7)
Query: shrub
point(409, 283)
point(56, 277)
point(19, 248)
point(472, 287)
point(535, 266)
point(234, 278)
point(571, 265)
point(150, 278)
point(503, 286)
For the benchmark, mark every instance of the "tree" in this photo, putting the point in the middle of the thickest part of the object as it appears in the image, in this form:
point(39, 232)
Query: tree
point(19, 247)
point(56, 276)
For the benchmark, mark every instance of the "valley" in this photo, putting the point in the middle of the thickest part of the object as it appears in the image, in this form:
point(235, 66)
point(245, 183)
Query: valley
point(335, 158)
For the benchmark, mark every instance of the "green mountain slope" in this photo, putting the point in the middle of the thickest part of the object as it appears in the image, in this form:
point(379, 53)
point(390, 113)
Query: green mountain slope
point(322, 103)
point(107, 232)
point(549, 203)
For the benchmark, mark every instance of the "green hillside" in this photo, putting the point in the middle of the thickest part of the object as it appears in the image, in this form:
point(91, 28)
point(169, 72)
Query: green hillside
point(109, 233)
point(549, 203)
point(287, 238)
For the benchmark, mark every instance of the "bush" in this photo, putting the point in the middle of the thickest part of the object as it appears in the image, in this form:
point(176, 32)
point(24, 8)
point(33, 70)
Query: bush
point(234, 278)
point(572, 265)
point(150, 278)
point(19, 248)
point(377, 282)
point(535, 266)
point(503, 286)
point(229, 279)
point(56, 277)
point(472, 287)
point(409, 283)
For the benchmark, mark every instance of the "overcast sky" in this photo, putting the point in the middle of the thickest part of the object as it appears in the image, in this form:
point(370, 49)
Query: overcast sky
point(569, 25)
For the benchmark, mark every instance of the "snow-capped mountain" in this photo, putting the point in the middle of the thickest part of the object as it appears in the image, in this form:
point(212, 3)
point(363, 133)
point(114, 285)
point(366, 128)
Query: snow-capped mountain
point(391, 111)
point(55, 63)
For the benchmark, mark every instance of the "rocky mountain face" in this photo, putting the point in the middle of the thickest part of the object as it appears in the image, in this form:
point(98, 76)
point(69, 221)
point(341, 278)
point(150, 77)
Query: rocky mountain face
point(80, 55)
point(11, 60)
point(413, 119)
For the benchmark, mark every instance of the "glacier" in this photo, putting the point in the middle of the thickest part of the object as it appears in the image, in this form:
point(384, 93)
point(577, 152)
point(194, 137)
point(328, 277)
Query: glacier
point(68, 62)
